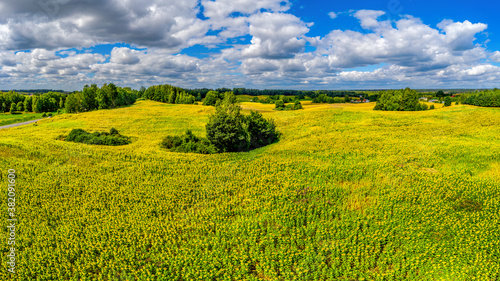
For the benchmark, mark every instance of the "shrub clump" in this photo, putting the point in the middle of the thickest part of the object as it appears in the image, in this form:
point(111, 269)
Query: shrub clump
point(227, 131)
point(188, 143)
point(97, 138)
point(399, 100)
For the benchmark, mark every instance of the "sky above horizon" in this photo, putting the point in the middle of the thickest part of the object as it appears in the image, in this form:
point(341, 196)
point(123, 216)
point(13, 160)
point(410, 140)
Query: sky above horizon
point(295, 44)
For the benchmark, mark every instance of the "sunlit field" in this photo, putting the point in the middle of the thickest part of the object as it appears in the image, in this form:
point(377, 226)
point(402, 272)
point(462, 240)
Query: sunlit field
point(348, 193)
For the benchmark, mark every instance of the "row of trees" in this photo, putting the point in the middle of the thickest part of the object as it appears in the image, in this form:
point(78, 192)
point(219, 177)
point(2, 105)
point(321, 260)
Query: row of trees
point(490, 98)
point(48, 102)
point(93, 97)
point(400, 100)
point(169, 94)
point(323, 98)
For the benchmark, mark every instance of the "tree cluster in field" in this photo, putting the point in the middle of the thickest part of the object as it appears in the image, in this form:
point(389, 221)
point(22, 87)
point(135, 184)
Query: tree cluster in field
point(280, 105)
point(323, 98)
point(112, 138)
point(400, 100)
point(168, 94)
point(14, 102)
point(227, 130)
point(93, 97)
point(213, 97)
point(280, 102)
point(489, 98)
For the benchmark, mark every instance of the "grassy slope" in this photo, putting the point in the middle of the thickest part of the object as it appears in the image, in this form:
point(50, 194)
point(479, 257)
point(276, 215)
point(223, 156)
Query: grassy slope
point(347, 192)
point(7, 118)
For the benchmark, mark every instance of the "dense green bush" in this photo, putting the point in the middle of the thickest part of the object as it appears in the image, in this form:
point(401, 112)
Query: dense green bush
point(227, 130)
point(261, 132)
point(399, 100)
point(279, 105)
point(447, 101)
point(13, 108)
point(188, 143)
point(98, 138)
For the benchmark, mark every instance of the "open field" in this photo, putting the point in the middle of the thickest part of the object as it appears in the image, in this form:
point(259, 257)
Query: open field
point(348, 193)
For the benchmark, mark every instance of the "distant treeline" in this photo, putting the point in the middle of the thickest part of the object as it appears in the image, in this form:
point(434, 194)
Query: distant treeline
point(36, 91)
point(15, 102)
point(489, 98)
point(169, 94)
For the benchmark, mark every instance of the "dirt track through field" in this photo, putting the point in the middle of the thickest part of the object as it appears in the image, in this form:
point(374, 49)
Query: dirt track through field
point(19, 124)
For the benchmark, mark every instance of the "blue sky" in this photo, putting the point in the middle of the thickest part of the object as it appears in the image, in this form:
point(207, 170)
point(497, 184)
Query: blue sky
point(64, 44)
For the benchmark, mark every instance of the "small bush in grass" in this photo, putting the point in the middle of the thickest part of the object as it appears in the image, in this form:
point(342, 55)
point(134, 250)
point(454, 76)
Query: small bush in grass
point(44, 115)
point(188, 143)
point(98, 138)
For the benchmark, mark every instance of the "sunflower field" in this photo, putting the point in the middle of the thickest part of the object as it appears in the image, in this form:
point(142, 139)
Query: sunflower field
point(348, 193)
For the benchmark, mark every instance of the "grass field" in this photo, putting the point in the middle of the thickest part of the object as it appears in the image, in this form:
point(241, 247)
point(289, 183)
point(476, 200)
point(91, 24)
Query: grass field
point(348, 193)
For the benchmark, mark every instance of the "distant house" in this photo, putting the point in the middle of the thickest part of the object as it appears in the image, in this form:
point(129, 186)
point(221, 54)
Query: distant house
point(437, 101)
point(360, 101)
point(423, 99)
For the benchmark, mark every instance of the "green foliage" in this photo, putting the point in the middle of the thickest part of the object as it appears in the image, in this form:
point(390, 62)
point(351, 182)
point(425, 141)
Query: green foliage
point(213, 97)
point(73, 103)
point(92, 98)
point(188, 143)
point(447, 101)
point(28, 104)
point(112, 138)
point(20, 106)
point(44, 115)
point(261, 131)
point(89, 98)
point(399, 100)
point(225, 128)
point(297, 105)
point(323, 98)
point(229, 131)
point(267, 100)
point(432, 107)
point(490, 98)
point(279, 105)
point(169, 94)
point(13, 108)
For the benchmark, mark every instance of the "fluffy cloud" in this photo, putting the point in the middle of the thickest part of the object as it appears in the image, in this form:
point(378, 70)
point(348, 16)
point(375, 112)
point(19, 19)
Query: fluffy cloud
point(410, 43)
point(55, 24)
point(275, 36)
point(332, 15)
point(495, 56)
point(255, 44)
point(224, 8)
point(124, 56)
